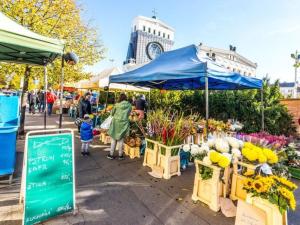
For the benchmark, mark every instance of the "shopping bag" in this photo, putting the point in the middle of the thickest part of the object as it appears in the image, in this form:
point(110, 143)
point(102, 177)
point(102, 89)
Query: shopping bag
point(106, 123)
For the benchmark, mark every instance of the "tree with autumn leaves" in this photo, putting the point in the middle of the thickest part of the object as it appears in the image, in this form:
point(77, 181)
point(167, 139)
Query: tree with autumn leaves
point(58, 19)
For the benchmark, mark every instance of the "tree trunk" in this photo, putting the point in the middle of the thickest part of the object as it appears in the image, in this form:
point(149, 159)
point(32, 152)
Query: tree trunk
point(24, 100)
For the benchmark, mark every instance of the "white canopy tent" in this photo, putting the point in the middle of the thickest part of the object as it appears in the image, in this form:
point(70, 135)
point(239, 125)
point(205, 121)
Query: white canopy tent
point(103, 81)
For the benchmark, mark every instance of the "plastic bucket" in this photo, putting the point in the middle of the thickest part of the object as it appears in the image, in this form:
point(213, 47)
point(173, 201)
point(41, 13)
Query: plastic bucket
point(8, 136)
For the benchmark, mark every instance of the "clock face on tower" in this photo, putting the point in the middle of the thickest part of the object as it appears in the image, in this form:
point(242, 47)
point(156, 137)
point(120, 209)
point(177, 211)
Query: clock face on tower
point(154, 49)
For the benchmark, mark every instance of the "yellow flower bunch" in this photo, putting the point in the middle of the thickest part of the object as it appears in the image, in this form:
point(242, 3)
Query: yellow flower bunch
point(285, 182)
point(271, 156)
point(254, 153)
point(267, 187)
point(214, 156)
point(289, 196)
point(221, 160)
point(224, 162)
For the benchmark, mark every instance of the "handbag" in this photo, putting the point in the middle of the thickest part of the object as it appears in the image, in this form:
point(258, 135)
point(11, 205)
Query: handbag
point(106, 123)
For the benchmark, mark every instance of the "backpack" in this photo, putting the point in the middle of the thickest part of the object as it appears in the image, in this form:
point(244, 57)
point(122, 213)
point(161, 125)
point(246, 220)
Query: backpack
point(78, 122)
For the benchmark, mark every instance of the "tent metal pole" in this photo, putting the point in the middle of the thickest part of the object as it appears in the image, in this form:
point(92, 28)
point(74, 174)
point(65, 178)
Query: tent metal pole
point(262, 109)
point(61, 91)
point(45, 97)
point(106, 100)
point(149, 100)
point(206, 104)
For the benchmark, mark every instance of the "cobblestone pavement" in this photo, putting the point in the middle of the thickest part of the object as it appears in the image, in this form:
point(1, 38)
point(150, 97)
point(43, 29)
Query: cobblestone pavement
point(118, 192)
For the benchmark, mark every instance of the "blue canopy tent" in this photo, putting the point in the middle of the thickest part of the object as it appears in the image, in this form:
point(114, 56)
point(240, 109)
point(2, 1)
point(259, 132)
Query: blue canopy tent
point(185, 69)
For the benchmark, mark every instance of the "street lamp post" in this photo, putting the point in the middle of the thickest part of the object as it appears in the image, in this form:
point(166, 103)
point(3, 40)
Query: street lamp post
point(71, 59)
point(296, 56)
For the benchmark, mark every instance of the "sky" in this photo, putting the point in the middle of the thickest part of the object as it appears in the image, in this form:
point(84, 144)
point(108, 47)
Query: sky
point(264, 31)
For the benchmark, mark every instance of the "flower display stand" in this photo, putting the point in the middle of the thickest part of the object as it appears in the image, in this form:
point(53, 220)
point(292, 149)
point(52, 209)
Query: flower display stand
point(237, 184)
point(209, 191)
point(169, 160)
point(272, 213)
point(105, 138)
point(151, 153)
point(132, 152)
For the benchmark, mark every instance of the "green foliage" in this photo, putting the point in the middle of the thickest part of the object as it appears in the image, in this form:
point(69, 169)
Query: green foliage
point(243, 105)
point(205, 172)
point(61, 20)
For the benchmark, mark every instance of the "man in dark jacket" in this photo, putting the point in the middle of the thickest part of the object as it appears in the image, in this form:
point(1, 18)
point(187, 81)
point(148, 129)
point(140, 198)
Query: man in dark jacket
point(85, 105)
point(140, 106)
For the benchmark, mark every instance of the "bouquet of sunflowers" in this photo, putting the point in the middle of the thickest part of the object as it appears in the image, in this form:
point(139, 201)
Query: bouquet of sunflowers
point(277, 190)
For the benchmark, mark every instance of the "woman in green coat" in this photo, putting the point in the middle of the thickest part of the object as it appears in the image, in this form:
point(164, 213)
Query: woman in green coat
point(119, 127)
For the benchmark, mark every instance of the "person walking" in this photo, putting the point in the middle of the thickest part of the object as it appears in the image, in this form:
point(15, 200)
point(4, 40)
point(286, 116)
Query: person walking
point(84, 107)
point(32, 100)
point(140, 106)
point(86, 134)
point(119, 127)
point(41, 99)
point(51, 98)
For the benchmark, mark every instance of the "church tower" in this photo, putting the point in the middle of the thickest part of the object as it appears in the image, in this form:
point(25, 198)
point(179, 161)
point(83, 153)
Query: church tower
point(149, 38)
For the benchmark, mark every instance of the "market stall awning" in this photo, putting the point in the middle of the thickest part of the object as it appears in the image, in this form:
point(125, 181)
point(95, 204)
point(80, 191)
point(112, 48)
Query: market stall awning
point(103, 80)
point(184, 69)
point(20, 45)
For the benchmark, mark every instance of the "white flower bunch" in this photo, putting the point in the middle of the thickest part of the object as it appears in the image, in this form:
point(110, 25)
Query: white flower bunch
point(221, 145)
point(186, 147)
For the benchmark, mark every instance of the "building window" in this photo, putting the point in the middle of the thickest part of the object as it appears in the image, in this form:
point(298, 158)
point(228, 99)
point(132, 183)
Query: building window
point(149, 30)
point(135, 28)
point(207, 54)
point(249, 74)
point(233, 69)
point(158, 33)
point(168, 36)
point(154, 32)
point(164, 35)
point(144, 28)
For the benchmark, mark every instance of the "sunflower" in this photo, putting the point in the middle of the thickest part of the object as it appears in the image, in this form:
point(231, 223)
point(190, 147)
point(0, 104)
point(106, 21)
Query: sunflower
point(293, 204)
point(287, 183)
point(248, 183)
point(257, 185)
point(249, 172)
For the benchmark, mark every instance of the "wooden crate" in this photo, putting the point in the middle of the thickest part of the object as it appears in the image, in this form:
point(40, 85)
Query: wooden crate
point(237, 183)
point(126, 149)
point(132, 152)
point(272, 213)
point(209, 191)
point(105, 138)
point(151, 153)
point(170, 163)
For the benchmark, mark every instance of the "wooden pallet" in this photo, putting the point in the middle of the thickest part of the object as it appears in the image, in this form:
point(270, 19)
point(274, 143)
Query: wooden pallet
point(168, 161)
point(151, 153)
point(209, 191)
point(271, 211)
point(237, 183)
point(132, 152)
